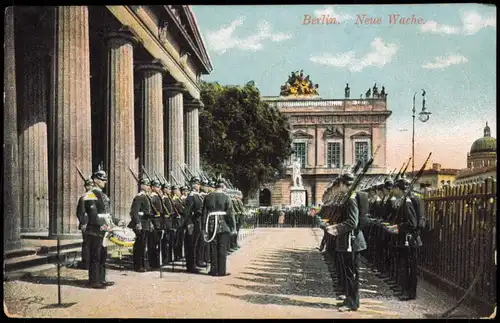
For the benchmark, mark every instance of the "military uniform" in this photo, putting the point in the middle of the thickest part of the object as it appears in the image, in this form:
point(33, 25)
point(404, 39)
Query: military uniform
point(80, 214)
point(192, 226)
point(94, 220)
point(407, 240)
point(168, 215)
point(140, 214)
point(218, 205)
point(350, 242)
point(155, 236)
point(179, 209)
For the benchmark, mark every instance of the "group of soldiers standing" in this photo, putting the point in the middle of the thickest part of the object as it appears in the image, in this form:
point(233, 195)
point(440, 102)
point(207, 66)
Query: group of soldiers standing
point(381, 222)
point(198, 224)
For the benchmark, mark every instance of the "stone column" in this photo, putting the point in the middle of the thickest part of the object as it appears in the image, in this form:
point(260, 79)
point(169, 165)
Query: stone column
point(193, 135)
point(70, 121)
point(121, 186)
point(11, 184)
point(174, 94)
point(152, 131)
point(33, 139)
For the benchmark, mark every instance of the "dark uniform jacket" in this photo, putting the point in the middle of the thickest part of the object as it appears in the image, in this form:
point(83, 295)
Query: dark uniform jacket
point(349, 220)
point(219, 202)
point(141, 213)
point(179, 210)
point(192, 213)
point(95, 202)
point(406, 219)
point(168, 213)
point(157, 208)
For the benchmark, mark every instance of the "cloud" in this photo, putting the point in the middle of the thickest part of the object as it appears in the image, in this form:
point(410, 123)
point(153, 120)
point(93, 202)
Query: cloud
point(471, 21)
point(220, 41)
point(330, 11)
point(380, 55)
point(442, 62)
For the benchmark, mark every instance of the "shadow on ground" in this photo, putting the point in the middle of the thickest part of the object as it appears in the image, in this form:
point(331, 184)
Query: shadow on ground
point(265, 299)
point(47, 280)
point(297, 272)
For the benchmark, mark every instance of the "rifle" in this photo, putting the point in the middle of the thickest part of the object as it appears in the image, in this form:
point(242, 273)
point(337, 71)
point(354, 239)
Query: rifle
point(149, 198)
point(355, 184)
point(188, 170)
point(415, 179)
point(400, 170)
point(133, 174)
point(357, 166)
point(406, 167)
point(186, 178)
point(176, 182)
point(81, 174)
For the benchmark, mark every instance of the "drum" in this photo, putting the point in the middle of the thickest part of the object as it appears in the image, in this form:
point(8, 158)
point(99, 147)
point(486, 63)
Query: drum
point(122, 236)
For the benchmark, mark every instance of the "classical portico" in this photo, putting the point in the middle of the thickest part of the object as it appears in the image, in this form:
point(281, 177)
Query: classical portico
point(110, 85)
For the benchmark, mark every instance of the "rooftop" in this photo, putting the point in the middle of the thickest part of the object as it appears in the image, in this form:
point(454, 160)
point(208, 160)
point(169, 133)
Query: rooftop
point(476, 171)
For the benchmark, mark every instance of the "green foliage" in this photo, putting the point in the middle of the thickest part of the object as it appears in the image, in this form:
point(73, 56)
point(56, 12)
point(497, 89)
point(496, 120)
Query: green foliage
point(241, 137)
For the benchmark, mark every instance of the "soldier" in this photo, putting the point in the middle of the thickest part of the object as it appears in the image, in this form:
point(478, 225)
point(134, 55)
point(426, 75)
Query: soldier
point(192, 225)
point(407, 239)
point(179, 209)
point(154, 236)
point(94, 224)
point(205, 246)
point(140, 214)
point(168, 241)
point(350, 242)
point(184, 193)
point(218, 211)
point(80, 214)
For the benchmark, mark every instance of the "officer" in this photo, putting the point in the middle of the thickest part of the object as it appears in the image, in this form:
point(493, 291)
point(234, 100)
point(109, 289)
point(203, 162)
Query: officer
point(179, 209)
point(95, 226)
point(218, 212)
point(140, 213)
point(350, 242)
point(168, 241)
point(407, 239)
point(155, 236)
point(193, 249)
point(80, 214)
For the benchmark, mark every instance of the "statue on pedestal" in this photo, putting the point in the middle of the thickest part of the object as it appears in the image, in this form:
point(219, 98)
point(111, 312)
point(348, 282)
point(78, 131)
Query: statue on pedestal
point(296, 177)
point(299, 85)
point(347, 91)
point(375, 91)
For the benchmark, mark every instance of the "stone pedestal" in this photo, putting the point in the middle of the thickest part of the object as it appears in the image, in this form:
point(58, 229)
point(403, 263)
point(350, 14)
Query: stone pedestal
point(11, 184)
point(70, 116)
point(33, 139)
point(175, 106)
point(298, 196)
point(151, 107)
point(120, 153)
point(193, 135)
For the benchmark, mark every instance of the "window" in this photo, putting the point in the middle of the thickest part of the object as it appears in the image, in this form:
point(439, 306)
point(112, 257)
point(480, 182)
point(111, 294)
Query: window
point(300, 153)
point(333, 157)
point(361, 151)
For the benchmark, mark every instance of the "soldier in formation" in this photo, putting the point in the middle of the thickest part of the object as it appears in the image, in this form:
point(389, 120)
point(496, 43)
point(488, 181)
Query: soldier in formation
point(80, 215)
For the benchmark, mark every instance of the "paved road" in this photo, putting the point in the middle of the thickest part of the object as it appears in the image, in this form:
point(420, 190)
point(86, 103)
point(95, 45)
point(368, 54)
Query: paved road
point(277, 273)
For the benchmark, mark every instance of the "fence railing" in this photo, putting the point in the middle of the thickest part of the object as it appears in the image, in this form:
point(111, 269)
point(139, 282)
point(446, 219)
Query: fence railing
point(459, 241)
point(294, 217)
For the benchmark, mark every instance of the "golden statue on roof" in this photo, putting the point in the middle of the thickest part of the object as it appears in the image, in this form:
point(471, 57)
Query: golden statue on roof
point(299, 85)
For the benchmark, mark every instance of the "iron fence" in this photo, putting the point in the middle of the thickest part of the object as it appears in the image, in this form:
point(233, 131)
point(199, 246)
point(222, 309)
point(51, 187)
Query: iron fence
point(459, 241)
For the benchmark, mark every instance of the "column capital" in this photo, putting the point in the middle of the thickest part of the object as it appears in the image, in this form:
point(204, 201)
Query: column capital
point(154, 65)
point(194, 104)
point(174, 88)
point(123, 33)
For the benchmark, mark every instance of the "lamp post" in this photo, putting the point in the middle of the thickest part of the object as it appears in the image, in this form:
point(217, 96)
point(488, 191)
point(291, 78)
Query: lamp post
point(423, 116)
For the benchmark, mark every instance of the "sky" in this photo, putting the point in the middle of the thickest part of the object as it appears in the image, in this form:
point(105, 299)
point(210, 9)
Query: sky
point(448, 50)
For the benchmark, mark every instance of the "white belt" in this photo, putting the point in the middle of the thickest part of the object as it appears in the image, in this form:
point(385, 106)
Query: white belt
point(140, 213)
point(103, 214)
point(217, 213)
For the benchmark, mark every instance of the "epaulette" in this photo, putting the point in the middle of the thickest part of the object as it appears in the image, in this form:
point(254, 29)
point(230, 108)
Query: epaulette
point(408, 199)
point(154, 193)
point(141, 193)
point(89, 196)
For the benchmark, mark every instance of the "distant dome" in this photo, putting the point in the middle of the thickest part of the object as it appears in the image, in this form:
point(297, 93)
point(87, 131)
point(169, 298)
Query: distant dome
point(484, 144)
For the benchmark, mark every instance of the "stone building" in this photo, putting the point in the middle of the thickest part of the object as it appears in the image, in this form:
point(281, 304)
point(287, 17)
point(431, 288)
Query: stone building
point(91, 84)
point(436, 176)
point(327, 134)
point(481, 160)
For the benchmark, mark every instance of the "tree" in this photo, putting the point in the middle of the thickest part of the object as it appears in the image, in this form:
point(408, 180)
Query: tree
point(241, 137)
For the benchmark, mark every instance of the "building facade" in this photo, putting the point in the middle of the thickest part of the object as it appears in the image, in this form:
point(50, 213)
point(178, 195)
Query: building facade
point(436, 177)
point(85, 85)
point(327, 134)
point(481, 160)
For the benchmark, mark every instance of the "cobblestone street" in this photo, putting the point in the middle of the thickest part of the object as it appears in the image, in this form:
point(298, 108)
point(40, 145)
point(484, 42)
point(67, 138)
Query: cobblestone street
point(277, 273)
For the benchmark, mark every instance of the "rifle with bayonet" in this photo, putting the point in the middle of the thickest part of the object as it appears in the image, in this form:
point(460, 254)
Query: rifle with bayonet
point(186, 178)
point(149, 198)
point(406, 167)
point(81, 174)
point(353, 187)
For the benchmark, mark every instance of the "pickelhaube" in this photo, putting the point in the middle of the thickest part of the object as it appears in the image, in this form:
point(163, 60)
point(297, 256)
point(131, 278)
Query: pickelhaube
point(204, 182)
point(155, 183)
point(183, 188)
point(100, 175)
point(145, 181)
point(211, 183)
point(174, 187)
point(388, 183)
point(165, 185)
point(194, 180)
point(402, 183)
point(347, 178)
